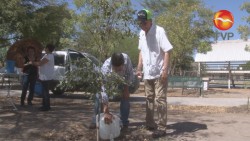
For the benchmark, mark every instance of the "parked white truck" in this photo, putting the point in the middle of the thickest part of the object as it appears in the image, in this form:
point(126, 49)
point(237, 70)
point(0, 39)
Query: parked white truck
point(62, 58)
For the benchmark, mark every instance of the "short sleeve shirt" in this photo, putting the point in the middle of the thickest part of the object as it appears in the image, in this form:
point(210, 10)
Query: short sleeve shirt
point(46, 71)
point(153, 46)
point(128, 68)
point(127, 73)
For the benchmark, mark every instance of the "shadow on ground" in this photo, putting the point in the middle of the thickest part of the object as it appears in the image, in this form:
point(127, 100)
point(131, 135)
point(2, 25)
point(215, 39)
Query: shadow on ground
point(182, 127)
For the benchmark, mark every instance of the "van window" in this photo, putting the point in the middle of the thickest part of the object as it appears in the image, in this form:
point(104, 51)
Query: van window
point(75, 56)
point(59, 60)
point(94, 60)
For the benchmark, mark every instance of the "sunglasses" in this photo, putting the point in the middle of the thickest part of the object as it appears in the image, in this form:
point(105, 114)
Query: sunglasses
point(141, 23)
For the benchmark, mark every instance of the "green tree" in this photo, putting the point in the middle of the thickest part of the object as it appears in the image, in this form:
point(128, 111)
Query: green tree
point(188, 26)
point(129, 45)
point(48, 24)
point(244, 30)
point(86, 77)
point(44, 20)
point(103, 27)
point(13, 15)
point(3, 52)
point(103, 24)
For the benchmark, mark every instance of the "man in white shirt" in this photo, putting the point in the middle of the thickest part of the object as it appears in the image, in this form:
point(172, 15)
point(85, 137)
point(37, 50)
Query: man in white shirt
point(119, 63)
point(154, 58)
point(46, 74)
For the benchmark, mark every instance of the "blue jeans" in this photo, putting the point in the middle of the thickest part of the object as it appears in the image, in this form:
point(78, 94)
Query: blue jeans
point(28, 82)
point(45, 94)
point(124, 110)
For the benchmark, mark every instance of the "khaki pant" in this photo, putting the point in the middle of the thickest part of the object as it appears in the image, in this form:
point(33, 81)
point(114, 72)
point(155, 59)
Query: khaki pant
point(156, 95)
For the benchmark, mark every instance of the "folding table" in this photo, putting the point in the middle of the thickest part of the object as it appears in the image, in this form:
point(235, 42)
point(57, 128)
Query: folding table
point(8, 80)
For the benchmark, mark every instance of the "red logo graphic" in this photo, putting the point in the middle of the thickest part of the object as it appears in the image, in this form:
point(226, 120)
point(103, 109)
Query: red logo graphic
point(223, 20)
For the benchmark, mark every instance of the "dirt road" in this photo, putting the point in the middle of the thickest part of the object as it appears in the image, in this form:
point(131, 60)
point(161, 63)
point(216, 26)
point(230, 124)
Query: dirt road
point(70, 116)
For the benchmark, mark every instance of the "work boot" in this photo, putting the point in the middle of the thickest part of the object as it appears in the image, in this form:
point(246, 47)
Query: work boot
point(124, 128)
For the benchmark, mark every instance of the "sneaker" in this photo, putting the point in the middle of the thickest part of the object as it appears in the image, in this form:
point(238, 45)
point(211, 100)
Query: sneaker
point(159, 133)
point(92, 126)
point(124, 128)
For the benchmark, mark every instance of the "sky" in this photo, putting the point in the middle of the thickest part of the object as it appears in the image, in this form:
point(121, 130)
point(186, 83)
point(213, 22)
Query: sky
point(215, 5)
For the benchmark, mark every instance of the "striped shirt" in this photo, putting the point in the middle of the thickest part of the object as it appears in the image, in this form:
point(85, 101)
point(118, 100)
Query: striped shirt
point(127, 73)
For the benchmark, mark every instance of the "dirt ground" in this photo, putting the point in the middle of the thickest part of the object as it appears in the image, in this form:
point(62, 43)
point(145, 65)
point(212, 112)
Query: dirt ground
point(71, 114)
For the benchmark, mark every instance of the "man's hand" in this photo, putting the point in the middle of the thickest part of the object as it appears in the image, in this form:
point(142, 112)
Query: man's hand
point(139, 74)
point(139, 67)
point(108, 118)
point(126, 93)
point(164, 73)
point(164, 76)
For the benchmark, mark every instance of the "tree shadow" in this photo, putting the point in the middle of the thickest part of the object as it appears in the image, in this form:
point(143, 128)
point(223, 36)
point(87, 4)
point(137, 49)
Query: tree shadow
point(178, 128)
point(182, 127)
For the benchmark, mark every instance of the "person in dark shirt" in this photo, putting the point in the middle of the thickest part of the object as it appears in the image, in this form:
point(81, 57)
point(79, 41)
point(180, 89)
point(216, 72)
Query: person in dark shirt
point(30, 75)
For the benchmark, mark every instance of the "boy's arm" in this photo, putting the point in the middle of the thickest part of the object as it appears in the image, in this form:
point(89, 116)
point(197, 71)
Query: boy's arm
point(139, 66)
point(40, 63)
point(107, 115)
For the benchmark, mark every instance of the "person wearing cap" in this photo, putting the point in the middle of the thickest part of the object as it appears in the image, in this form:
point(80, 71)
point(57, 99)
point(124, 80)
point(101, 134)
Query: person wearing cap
point(121, 64)
point(153, 59)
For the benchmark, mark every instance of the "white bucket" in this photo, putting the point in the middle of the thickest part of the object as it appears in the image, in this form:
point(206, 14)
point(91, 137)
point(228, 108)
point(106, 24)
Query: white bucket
point(109, 131)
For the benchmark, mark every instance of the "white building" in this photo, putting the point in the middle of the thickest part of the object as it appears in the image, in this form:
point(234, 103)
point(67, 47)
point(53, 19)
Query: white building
point(226, 57)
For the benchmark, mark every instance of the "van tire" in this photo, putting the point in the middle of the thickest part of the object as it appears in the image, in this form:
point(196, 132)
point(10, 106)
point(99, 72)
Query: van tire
point(54, 87)
point(57, 91)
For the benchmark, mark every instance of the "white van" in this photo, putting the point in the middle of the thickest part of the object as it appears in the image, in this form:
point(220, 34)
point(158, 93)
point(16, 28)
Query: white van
point(61, 59)
point(64, 57)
